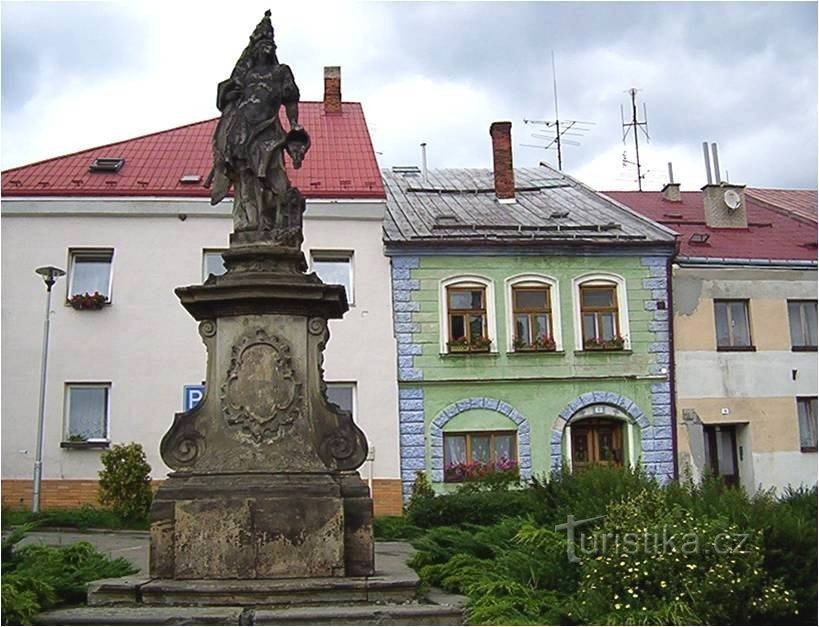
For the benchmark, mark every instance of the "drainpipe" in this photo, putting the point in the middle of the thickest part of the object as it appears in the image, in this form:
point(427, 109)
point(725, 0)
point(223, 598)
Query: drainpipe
point(672, 358)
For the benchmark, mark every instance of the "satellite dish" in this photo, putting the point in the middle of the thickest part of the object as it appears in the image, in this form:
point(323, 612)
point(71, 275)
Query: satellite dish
point(732, 199)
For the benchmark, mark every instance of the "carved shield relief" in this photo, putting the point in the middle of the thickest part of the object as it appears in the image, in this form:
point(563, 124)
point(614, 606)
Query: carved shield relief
point(261, 394)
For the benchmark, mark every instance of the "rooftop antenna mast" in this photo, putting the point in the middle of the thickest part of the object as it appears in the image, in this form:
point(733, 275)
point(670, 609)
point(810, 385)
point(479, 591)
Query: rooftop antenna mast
point(571, 128)
point(632, 127)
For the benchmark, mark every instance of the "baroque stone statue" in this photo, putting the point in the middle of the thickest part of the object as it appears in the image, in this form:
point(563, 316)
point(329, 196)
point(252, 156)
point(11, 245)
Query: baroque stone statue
point(264, 483)
point(249, 142)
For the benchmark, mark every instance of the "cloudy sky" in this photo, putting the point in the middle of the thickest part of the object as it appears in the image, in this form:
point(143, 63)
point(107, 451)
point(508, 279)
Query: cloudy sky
point(77, 75)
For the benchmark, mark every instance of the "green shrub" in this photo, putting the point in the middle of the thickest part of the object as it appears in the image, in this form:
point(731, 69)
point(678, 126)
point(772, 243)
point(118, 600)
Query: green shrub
point(395, 528)
point(37, 577)
point(480, 508)
point(421, 491)
point(85, 517)
point(651, 561)
point(125, 481)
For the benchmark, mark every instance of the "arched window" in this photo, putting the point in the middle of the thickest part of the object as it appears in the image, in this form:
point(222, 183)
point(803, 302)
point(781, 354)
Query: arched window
point(533, 306)
point(601, 312)
point(467, 315)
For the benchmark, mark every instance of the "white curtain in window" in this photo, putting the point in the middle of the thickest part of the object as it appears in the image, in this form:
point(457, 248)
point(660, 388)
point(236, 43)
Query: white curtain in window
point(455, 450)
point(87, 409)
point(90, 275)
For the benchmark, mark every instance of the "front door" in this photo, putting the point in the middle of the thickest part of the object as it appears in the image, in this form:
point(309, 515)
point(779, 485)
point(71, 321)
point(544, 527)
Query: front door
point(721, 452)
point(597, 441)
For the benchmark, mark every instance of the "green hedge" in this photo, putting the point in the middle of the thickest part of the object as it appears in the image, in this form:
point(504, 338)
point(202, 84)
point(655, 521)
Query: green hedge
point(86, 517)
point(501, 549)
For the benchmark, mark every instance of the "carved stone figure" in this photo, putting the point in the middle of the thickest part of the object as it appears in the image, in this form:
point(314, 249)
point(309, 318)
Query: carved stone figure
point(249, 142)
point(264, 483)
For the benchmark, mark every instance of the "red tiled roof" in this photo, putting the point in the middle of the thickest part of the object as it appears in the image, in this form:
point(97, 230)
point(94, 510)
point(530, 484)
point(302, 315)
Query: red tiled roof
point(800, 202)
point(341, 162)
point(770, 234)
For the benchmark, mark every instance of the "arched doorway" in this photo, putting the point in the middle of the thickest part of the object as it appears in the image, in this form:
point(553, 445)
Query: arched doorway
point(597, 441)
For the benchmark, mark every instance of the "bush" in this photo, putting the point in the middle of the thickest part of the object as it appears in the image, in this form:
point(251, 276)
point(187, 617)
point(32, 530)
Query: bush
point(421, 490)
point(85, 517)
point(37, 577)
point(515, 570)
point(125, 481)
point(654, 562)
point(395, 528)
point(479, 508)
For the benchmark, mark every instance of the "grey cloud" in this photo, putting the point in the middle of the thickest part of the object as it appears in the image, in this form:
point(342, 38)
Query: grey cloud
point(70, 40)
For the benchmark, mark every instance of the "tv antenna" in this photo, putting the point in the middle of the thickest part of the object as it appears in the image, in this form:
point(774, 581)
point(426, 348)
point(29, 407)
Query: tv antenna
point(632, 127)
point(569, 128)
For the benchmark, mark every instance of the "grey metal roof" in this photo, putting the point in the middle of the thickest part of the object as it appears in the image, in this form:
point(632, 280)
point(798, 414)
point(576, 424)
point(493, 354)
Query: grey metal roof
point(459, 206)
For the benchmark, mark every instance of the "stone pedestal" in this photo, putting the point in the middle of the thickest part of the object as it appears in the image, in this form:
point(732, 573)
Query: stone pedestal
point(264, 484)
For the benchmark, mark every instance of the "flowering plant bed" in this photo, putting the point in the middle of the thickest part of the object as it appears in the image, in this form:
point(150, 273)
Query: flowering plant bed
point(473, 471)
point(599, 344)
point(88, 301)
point(540, 343)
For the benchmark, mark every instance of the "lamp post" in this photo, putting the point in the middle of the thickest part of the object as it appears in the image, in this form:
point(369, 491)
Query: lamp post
point(50, 275)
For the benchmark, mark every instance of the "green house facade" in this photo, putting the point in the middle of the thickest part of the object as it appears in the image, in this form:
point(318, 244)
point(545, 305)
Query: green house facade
point(531, 331)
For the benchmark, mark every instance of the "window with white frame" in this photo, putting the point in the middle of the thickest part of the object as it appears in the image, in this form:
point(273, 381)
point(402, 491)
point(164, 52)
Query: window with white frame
point(601, 312)
point(343, 395)
point(86, 412)
point(467, 315)
point(533, 306)
point(334, 268)
point(212, 263)
point(90, 272)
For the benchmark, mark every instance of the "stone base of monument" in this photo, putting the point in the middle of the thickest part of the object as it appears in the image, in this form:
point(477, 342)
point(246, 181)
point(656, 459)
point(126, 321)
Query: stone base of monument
point(390, 597)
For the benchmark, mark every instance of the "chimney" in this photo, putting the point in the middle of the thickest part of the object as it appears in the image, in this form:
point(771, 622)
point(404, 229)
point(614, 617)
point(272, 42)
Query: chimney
point(332, 89)
point(501, 133)
point(671, 190)
point(724, 203)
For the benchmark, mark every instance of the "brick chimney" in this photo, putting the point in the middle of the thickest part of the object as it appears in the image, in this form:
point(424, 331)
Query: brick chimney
point(332, 89)
point(501, 133)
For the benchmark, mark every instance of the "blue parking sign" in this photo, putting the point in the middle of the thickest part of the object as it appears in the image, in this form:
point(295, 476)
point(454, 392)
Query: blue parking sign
point(192, 396)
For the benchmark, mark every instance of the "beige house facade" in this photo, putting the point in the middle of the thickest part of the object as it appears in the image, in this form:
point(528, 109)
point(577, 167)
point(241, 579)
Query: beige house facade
point(744, 297)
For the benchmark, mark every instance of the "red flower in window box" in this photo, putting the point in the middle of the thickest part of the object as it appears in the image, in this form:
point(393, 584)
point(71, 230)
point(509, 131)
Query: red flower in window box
point(459, 472)
point(540, 343)
point(88, 301)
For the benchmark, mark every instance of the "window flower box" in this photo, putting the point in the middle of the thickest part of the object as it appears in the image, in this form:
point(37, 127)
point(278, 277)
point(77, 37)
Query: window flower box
point(542, 343)
point(88, 301)
point(600, 344)
point(462, 345)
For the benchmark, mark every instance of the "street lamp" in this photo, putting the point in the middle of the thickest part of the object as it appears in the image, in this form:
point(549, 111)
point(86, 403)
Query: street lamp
point(50, 275)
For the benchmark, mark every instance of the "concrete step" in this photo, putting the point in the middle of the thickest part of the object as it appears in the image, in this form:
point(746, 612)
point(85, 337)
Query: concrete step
point(390, 614)
point(372, 614)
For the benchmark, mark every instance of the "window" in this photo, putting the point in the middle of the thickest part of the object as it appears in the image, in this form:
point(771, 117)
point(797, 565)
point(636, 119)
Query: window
point(467, 455)
point(334, 268)
point(212, 263)
point(343, 395)
point(599, 316)
point(806, 410)
point(802, 317)
point(532, 311)
point(87, 412)
point(90, 272)
point(466, 310)
point(733, 329)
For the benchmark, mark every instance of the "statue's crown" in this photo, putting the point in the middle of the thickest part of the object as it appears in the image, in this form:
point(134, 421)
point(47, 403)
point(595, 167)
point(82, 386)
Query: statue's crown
point(264, 30)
